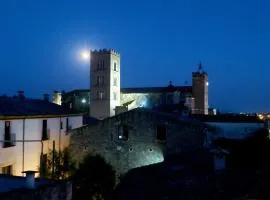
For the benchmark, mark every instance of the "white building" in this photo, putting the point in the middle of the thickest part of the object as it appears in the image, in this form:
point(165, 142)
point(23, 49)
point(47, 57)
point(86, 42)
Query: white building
point(27, 131)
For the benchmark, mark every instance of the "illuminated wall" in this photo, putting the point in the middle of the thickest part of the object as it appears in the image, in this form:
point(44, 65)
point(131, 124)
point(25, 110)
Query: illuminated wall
point(104, 83)
point(57, 98)
point(26, 156)
point(142, 146)
point(140, 99)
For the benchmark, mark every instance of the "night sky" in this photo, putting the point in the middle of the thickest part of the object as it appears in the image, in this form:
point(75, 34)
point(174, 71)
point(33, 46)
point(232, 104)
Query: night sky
point(159, 41)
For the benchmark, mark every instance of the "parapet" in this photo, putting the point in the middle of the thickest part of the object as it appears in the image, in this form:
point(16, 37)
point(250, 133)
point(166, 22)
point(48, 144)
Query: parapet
point(105, 51)
point(199, 74)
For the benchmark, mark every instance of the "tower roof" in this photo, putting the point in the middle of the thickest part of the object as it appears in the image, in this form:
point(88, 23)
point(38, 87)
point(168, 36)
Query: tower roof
point(104, 51)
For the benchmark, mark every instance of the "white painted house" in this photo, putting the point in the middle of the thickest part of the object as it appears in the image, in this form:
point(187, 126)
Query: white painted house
point(27, 130)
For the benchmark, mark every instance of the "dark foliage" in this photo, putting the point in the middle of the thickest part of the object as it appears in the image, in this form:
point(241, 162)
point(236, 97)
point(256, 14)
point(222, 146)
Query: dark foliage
point(248, 153)
point(95, 179)
point(57, 165)
point(248, 165)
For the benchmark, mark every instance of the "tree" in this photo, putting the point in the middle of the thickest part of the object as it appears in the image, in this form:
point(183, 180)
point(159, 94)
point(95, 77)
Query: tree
point(57, 165)
point(95, 179)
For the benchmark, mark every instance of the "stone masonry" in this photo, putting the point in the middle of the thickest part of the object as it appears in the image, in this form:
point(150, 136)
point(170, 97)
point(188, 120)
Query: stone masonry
point(142, 147)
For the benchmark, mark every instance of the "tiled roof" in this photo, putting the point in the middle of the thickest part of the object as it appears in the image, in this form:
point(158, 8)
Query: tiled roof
point(17, 106)
point(227, 118)
point(157, 89)
point(170, 88)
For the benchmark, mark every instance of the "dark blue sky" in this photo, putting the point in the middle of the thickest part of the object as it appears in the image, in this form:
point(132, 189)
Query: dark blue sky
point(158, 41)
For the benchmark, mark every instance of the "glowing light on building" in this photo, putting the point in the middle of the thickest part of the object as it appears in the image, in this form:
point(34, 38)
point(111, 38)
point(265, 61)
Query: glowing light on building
point(144, 103)
point(207, 83)
point(83, 100)
point(260, 116)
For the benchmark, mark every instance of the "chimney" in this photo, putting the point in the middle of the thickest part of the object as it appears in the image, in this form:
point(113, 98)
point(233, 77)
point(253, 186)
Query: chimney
point(30, 179)
point(21, 94)
point(46, 97)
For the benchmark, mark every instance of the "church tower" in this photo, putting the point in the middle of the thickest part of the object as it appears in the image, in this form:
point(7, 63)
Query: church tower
point(200, 90)
point(104, 83)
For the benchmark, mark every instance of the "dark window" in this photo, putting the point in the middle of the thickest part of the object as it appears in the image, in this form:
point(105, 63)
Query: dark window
point(123, 132)
point(100, 95)
point(161, 132)
point(7, 139)
point(7, 170)
point(45, 131)
point(100, 80)
point(115, 67)
point(68, 127)
point(61, 125)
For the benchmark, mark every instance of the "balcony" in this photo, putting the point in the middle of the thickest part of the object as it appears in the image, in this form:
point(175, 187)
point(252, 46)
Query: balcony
point(46, 134)
point(10, 140)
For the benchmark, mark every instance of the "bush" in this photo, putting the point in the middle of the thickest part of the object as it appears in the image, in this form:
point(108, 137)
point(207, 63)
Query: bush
point(95, 179)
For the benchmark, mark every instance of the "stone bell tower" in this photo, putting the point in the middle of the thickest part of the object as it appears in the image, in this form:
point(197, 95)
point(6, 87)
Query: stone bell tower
point(200, 90)
point(104, 83)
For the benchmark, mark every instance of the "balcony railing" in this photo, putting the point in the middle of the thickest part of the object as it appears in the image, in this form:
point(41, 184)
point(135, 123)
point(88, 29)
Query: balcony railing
point(11, 141)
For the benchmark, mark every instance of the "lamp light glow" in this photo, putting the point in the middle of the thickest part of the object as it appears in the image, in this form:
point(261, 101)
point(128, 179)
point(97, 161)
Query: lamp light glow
point(83, 100)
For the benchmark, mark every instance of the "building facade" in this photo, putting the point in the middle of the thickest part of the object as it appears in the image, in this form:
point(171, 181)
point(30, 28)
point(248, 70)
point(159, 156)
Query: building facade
point(28, 129)
point(137, 138)
point(105, 93)
point(104, 83)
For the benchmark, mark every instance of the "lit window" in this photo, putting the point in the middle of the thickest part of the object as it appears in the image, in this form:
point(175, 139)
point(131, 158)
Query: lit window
point(161, 132)
point(123, 132)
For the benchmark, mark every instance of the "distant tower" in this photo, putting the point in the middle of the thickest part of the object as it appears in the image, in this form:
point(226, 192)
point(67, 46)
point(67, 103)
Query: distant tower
point(57, 97)
point(104, 83)
point(200, 90)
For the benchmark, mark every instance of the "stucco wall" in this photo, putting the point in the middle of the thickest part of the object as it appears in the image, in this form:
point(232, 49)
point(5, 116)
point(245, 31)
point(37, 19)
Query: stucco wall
point(28, 157)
